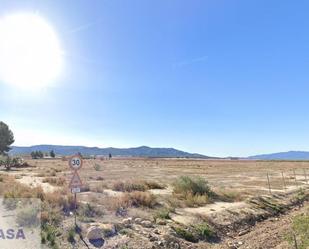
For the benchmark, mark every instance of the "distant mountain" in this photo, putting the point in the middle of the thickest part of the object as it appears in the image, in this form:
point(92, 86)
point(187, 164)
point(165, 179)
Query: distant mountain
point(142, 151)
point(290, 155)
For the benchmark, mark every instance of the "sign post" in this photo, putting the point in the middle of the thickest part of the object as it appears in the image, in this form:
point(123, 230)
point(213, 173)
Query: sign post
point(75, 163)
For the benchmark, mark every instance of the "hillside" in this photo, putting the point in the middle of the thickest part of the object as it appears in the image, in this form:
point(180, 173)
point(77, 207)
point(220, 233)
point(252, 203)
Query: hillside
point(290, 155)
point(142, 151)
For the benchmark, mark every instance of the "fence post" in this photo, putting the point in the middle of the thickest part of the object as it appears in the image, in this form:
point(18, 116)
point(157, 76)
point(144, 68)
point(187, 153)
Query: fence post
point(305, 173)
point(295, 241)
point(284, 184)
point(268, 183)
point(295, 177)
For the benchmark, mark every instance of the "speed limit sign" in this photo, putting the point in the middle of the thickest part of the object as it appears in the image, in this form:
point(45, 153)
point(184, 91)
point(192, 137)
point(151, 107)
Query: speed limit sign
point(76, 162)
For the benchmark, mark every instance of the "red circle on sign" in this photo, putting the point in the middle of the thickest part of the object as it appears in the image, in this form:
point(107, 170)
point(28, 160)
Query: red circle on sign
point(76, 162)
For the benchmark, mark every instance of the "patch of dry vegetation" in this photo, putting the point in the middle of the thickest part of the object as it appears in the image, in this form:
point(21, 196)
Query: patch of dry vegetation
point(132, 199)
point(192, 191)
point(138, 185)
point(55, 181)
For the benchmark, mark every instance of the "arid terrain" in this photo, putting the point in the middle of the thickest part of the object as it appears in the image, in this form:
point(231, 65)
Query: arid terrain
point(142, 203)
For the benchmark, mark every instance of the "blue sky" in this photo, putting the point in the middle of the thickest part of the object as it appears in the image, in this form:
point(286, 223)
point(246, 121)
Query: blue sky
point(224, 77)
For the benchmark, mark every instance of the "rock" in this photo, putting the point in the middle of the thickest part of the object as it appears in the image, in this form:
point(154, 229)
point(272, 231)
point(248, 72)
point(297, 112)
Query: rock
point(97, 242)
point(243, 232)
point(127, 221)
point(138, 220)
point(231, 245)
point(161, 222)
point(98, 231)
point(146, 223)
point(152, 239)
point(109, 230)
point(160, 243)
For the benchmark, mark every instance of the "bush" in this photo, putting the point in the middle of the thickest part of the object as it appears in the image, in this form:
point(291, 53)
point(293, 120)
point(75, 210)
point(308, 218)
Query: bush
point(137, 185)
point(204, 231)
point(89, 211)
point(71, 235)
point(133, 199)
point(185, 185)
point(194, 233)
point(196, 200)
point(162, 214)
point(56, 181)
point(138, 199)
point(153, 185)
point(129, 186)
point(186, 234)
point(97, 167)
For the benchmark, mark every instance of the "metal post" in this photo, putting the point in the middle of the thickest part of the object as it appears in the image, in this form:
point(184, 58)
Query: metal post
point(268, 183)
point(305, 173)
point(295, 241)
point(284, 184)
point(75, 208)
point(295, 177)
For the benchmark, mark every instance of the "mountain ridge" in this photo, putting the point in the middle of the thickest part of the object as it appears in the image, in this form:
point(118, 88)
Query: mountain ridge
point(288, 155)
point(141, 151)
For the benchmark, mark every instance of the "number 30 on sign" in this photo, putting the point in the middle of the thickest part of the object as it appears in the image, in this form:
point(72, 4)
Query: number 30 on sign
point(76, 162)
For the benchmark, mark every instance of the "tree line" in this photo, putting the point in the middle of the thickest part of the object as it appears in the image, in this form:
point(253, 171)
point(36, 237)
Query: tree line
point(39, 154)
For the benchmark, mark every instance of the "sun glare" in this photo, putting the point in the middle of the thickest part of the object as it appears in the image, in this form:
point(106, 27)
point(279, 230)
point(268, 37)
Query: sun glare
point(30, 52)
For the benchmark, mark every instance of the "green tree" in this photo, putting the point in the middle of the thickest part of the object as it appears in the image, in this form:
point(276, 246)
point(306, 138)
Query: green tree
point(6, 138)
point(40, 154)
point(52, 154)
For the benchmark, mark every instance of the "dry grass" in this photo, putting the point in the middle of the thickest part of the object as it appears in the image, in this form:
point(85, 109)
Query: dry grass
point(133, 199)
point(192, 191)
point(98, 188)
point(138, 185)
point(229, 195)
point(55, 181)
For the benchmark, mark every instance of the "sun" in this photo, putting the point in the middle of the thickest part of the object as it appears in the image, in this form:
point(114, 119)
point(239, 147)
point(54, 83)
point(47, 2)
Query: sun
point(30, 53)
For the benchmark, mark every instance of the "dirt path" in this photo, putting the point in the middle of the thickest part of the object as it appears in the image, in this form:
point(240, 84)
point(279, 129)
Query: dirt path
point(267, 234)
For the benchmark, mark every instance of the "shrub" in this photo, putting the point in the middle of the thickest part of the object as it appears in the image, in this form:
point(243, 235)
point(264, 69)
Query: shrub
point(56, 181)
point(196, 200)
point(194, 233)
point(89, 211)
point(138, 199)
point(132, 199)
point(185, 185)
point(137, 185)
point(163, 213)
point(186, 234)
point(129, 186)
point(71, 235)
point(204, 231)
point(230, 195)
point(153, 185)
point(97, 167)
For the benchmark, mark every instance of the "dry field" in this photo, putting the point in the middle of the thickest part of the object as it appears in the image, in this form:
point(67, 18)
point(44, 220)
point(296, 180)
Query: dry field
point(240, 175)
point(136, 204)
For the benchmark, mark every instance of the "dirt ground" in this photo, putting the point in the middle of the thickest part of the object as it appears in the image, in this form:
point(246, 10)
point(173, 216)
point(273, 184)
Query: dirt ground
point(250, 178)
point(270, 233)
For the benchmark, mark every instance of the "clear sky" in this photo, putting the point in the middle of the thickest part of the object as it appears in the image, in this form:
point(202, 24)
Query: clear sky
point(220, 77)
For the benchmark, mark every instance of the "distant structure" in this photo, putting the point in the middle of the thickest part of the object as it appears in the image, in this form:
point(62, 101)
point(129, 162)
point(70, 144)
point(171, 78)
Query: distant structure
point(109, 156)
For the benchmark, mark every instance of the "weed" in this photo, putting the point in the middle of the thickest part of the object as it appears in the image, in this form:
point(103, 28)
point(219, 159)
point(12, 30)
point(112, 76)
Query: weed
point(300, 228)
point(186, 234)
